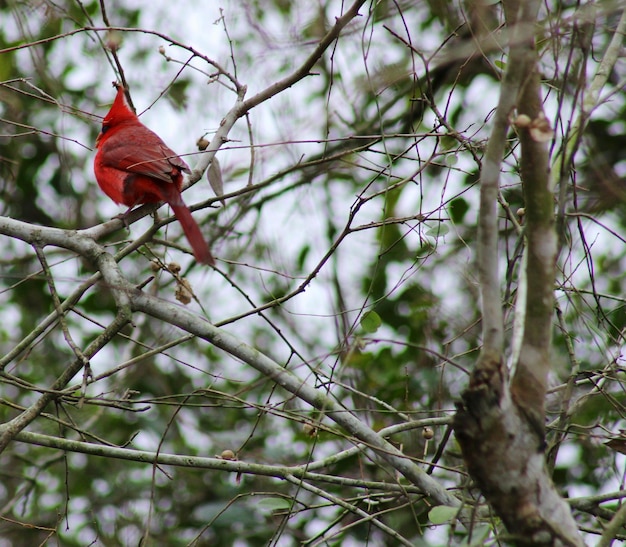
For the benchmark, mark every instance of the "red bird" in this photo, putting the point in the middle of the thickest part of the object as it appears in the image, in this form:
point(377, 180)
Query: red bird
point(134, 166)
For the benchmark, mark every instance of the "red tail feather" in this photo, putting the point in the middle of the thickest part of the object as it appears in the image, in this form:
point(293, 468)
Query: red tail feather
point(194, 235)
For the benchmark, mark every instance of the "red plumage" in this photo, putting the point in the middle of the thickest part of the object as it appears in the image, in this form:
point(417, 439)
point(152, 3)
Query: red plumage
point(134, 166)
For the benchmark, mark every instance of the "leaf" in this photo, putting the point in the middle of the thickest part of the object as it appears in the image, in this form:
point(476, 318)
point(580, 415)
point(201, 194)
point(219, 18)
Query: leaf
point(371, 322)
point(618, 444)
point(438, 231)
point(457, 209)
point(274, 504)
point(214, 175)
point(479, 537)
point(302, 255)
point(442, 514)
point(451, 160)
point(177, 93)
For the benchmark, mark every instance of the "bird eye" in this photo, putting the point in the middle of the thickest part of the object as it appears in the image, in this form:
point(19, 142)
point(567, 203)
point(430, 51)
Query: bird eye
point(105, 128)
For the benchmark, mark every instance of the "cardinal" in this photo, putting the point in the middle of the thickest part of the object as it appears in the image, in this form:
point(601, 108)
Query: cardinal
point(134, 166)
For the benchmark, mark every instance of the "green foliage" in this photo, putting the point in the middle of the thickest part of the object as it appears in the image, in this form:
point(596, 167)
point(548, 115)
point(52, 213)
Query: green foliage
point(458, 208)
point(442, 513)
point(370, 322)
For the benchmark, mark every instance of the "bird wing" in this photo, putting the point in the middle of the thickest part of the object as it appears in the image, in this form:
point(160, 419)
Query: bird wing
point(152, 158)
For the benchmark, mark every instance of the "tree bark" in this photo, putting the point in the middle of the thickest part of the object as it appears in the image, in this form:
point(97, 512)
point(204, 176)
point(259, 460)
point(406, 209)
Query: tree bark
point(500, 425)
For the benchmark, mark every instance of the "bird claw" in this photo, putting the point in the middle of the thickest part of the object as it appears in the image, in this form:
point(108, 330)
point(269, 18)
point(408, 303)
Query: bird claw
point(124, 217)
